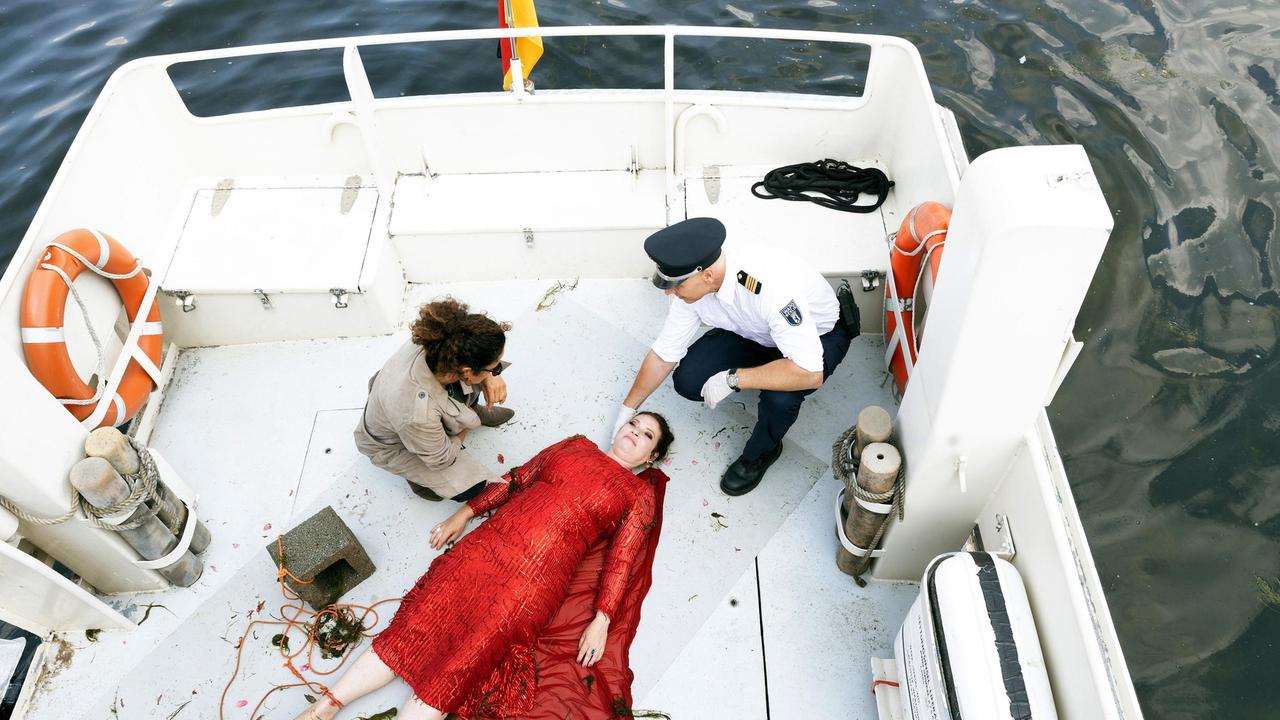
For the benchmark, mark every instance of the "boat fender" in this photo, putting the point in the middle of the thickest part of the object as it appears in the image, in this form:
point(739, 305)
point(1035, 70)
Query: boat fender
point(968, 649)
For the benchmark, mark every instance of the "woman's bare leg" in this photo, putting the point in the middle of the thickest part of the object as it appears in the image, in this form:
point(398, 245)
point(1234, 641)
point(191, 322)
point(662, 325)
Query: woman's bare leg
point(415, 709)
point(366, 674)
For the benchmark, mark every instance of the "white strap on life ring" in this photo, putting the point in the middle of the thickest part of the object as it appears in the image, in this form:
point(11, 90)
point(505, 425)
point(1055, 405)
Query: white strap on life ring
point(899, 338)
point(43, 335)
point(130, 350)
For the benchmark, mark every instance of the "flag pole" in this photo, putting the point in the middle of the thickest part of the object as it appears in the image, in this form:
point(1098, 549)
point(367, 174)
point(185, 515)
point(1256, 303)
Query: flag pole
point(517, 70)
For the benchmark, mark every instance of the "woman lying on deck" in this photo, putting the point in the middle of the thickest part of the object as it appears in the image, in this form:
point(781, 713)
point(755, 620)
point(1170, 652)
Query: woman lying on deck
point(482, 632)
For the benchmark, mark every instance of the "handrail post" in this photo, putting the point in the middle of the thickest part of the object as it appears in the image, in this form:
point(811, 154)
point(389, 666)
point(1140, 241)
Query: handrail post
point(517, 75)
point(516, 67)
point(669, 87)
point(362, 102)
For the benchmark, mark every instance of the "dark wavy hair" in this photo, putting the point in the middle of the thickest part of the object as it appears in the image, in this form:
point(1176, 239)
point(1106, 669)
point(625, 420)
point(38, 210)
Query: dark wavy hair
point(453, 337)
point(665, 436)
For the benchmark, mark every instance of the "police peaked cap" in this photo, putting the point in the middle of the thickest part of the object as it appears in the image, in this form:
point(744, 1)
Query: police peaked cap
point(684, 249)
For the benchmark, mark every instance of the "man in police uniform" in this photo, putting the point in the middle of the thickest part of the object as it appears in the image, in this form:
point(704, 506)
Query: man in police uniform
point(775, 327)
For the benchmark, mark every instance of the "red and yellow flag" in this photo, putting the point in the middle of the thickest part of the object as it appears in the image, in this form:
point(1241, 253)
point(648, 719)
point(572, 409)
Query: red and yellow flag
point(520, 14)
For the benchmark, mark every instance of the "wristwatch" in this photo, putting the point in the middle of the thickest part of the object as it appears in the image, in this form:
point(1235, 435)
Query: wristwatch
point(733, 379)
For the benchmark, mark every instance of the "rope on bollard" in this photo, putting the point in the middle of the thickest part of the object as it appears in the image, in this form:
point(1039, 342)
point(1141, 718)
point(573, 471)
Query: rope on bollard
point(844, 466)
point(143, 487)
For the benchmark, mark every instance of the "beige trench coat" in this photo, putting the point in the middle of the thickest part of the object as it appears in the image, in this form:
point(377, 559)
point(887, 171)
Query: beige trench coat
point(410, 427)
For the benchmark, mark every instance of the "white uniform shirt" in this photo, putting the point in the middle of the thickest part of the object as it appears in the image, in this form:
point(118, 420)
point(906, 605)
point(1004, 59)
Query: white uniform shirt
point(794, 307)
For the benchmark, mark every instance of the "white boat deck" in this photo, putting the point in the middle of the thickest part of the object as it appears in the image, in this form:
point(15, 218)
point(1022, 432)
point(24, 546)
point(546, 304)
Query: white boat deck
point(751, 620)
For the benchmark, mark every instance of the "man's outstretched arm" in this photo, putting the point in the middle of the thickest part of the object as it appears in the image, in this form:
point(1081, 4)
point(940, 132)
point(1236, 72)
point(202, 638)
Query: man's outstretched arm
point(651, 374)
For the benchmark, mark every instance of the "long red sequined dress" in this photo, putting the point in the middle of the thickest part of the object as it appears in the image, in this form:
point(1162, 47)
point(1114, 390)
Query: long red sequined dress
point(490, 595)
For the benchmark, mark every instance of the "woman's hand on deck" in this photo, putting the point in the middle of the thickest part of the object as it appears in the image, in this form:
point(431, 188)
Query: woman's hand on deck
point(495, 391)
point(452, 527)
point(591, 645)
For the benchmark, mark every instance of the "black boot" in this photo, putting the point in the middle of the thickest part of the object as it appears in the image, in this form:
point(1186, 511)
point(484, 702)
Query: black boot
point(744, 475)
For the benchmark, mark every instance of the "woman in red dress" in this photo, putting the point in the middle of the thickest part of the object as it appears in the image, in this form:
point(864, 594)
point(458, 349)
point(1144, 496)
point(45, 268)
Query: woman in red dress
point(487, 597)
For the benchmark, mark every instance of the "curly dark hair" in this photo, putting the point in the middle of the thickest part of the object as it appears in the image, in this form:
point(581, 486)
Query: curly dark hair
point(665, 436)
point(454, 337)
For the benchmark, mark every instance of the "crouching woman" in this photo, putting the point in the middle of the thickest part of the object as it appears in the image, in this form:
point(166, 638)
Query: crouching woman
point(425, 400)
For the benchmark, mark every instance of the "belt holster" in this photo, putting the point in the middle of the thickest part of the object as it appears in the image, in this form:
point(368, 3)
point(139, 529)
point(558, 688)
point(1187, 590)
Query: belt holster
point(850, 316)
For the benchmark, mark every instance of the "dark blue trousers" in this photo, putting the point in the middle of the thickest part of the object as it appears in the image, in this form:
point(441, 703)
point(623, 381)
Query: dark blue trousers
point(720, 350)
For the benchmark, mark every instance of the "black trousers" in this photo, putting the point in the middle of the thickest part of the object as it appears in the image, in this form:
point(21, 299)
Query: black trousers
point(720, 350)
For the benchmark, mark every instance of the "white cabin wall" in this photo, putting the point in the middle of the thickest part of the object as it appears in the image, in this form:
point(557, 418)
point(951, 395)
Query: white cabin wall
point(775, 136)
point(1053, 557)
point(132, 168)
point(997, 331)
point(39, 443)
point(551, 131)
point(923, 170)
point(113, 179)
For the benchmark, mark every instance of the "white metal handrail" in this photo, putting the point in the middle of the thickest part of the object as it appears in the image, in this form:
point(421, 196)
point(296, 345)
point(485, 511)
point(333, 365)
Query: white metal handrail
point(668, 31)
point(363, 100)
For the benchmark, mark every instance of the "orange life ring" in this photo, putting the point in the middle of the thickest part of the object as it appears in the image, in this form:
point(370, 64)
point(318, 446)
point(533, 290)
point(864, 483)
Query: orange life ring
point(922, 234)
point(44, 304)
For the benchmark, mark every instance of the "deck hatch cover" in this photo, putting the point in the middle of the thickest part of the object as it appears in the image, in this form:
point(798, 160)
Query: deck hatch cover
point(274, 238)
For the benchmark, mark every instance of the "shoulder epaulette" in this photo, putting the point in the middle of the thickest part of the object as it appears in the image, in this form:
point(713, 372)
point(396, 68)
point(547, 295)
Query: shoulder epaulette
point(752, 285)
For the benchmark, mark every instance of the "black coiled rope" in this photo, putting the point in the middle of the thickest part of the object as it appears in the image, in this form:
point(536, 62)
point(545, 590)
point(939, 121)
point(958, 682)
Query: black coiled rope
point(838, 185)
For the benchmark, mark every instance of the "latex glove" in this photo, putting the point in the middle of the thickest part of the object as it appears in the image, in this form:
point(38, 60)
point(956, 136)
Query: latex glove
point(716, 388)
point(624, 416)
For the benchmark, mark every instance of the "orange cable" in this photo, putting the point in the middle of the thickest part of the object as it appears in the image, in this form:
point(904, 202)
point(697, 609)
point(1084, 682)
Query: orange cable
point(307, 621)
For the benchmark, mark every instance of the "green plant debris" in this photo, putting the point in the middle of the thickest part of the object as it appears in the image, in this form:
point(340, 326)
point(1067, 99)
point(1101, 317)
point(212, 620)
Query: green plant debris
point(92, 634)
point(589, 681)
point(153, 606)
point(336, 631)
point(1268, 591)
point(281, 641)
point(622, 710)
point(717, 522)
point(549, 298)
point(174, 714)
point(384, 715)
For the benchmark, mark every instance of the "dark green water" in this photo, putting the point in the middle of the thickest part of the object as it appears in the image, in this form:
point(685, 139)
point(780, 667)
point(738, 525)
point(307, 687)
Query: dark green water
point(1169, 421)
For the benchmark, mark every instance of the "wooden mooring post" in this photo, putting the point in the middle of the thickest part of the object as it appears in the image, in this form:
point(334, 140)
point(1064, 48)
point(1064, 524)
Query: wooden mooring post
point(102, 487)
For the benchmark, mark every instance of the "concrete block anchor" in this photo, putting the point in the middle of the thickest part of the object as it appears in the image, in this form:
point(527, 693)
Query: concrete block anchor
point(323, 551)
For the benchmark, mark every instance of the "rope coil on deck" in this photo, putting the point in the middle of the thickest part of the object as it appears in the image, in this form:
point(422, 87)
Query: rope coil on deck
point(844, 466)
point(838, 185)
point(143, 488)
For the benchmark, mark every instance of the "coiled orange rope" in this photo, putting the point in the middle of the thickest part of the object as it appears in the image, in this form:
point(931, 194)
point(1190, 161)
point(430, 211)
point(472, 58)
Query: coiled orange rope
point(295, 616)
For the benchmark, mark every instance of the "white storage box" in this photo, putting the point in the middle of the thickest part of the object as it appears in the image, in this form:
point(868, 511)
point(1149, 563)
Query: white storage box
point(968, 649)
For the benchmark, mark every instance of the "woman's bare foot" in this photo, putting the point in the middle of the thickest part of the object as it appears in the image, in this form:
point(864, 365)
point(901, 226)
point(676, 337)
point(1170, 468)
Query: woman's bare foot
point(325, 708)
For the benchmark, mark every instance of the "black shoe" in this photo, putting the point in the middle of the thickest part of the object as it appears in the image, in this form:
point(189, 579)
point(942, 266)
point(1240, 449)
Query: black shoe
point(744, 475)
point(493, 416)
point(425, 493)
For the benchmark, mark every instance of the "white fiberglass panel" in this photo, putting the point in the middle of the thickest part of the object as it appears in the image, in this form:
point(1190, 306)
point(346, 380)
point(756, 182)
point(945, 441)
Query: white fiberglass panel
point(547, 201)
point(839, 244)
point(275, 237)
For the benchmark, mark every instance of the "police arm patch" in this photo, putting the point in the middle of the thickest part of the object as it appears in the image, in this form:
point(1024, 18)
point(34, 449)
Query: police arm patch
point(791, 313)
